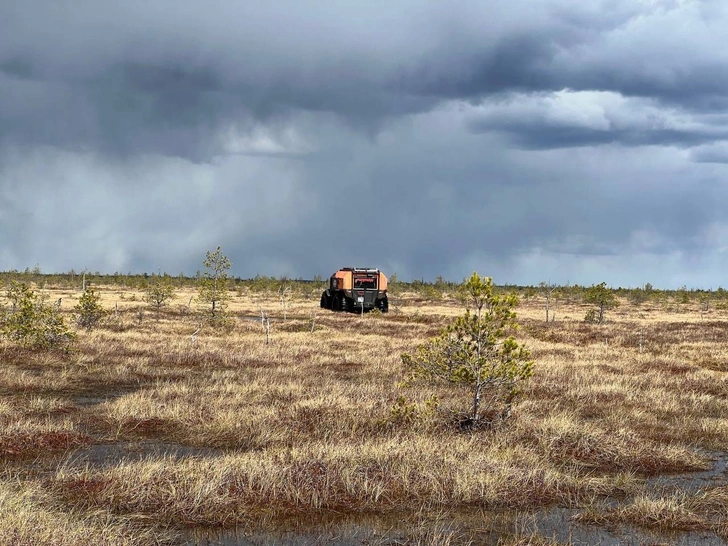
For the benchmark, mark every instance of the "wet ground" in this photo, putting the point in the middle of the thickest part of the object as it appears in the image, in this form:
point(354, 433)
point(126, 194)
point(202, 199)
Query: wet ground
point(107, 455)
point(463, 527)
point(715, 476)
point(474, 526)
point(469, 526)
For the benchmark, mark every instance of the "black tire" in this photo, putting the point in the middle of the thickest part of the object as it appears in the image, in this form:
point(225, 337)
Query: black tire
point(383, 305)
point(324, 301)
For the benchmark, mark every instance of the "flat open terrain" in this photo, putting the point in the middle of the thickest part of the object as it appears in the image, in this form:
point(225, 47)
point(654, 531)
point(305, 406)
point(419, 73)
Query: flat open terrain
point(156, 423)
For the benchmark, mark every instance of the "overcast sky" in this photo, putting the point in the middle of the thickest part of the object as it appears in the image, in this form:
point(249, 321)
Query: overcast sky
point(530, 140)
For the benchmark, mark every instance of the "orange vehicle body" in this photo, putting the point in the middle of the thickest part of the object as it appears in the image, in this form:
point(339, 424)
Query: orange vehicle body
point(356, 289)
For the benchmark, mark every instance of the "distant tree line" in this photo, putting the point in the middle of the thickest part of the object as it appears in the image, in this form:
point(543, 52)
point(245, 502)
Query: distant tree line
point(419, 288)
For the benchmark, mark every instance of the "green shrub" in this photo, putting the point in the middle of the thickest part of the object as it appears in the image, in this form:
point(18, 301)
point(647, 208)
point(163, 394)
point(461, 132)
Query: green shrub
point(603, 298)
point(213, 289)
point(31, 322)
point(478, 353)
point(403, 411)
point(159, 291)
point(88, 310)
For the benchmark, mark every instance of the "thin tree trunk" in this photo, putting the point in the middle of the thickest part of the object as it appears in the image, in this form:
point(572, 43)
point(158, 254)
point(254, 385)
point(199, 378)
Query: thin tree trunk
point(476, 403)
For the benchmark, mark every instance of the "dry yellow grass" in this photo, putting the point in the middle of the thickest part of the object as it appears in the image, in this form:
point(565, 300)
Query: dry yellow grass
point(28, 517)
point(304, 423)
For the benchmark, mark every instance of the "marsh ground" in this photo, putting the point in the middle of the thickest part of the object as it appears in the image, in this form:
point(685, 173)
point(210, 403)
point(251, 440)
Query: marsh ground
point(156, 424)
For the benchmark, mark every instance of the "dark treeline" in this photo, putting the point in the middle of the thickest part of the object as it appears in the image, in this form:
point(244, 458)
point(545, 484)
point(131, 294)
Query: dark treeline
point(435, 290)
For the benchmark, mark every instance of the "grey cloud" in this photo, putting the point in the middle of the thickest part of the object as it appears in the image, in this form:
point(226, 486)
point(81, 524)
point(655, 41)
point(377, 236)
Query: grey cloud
point(369, 204)
point(537, 137)
point(161, 78)
point(414, 211)
point(712, 153)
point(425, 138)
point(175, 73)
point(586, 118)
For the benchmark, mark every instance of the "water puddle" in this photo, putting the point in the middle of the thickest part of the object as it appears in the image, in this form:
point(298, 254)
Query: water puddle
point(470, 526)
point(455, 528)
point(106, 455)
point(691, 482)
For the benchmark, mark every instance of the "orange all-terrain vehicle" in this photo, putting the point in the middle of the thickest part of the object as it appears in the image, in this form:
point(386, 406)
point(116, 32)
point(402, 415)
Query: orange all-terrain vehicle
point(356, 289)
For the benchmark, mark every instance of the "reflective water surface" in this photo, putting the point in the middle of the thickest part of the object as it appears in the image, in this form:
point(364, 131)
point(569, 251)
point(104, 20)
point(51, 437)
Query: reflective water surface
point(471, 526)
point(462, 527)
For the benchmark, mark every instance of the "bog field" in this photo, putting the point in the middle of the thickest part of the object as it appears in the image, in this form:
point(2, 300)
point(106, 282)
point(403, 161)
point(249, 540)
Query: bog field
point(156, 427)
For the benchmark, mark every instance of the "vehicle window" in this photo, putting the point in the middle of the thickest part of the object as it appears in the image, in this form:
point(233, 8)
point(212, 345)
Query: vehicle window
point(365, 282)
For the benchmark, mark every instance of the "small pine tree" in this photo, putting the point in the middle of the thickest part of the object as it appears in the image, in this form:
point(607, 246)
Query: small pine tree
point(88, 309)
point(213, 284)
point(31, 321)
point(159, 291)
point(603, 298)
point(478, 352)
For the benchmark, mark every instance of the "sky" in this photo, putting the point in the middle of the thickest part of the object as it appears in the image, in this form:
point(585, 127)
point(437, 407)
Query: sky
point(557, 141)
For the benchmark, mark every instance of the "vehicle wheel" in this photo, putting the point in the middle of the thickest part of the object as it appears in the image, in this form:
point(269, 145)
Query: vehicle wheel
point(324, 301)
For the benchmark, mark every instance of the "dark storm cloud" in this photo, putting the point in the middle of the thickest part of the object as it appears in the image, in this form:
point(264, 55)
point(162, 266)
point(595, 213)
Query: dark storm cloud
point(427, 138)
point(143, 77)
point(569, 118)
point(537, 135)
point(156, 77)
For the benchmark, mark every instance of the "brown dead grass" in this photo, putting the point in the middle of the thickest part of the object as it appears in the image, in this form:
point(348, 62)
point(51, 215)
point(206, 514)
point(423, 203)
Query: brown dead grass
point(29, 516)
point(304, 423)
